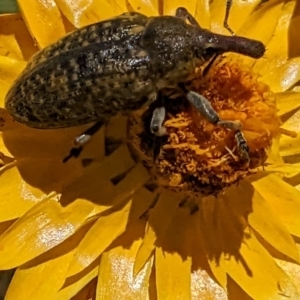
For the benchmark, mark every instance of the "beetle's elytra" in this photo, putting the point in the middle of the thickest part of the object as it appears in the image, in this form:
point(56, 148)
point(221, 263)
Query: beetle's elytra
point(114, 65)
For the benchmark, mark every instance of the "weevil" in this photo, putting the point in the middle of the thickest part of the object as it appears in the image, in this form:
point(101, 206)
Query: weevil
point(113, 66)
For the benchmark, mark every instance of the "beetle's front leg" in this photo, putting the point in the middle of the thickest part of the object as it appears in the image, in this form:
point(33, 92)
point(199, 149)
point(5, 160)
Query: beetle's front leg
point(205, 108)
point(227, 11)
point(182, 12)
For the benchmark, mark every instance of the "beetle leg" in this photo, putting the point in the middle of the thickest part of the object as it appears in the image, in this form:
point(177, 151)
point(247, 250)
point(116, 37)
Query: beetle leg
point(86, 136)
point(227, 11)
point(242, 146)
point(182, 12)
point(158, 117)
point(204, 107)
point(209, 65)
point(82, 140)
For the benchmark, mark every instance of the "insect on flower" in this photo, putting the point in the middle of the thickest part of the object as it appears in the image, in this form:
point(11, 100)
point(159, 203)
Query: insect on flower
point(116, 66)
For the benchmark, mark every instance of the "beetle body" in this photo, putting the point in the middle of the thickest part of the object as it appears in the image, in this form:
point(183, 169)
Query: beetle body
point(113, 66)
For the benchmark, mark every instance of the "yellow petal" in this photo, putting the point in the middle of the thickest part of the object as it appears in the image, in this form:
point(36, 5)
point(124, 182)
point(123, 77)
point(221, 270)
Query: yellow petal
point(239, 12)
point(88, 187)
point(199, 251)
point(284, 200)
point(118, 163)
point(296, 89)
point(84, 12)
point(173, 261)
point(73, 287)
point(290, 268)
point(115, 271)
point(263, 219)
point(50, 270)
point(43, 227)
point(205, 287)
point(17, 195)
point(266, 17)
point(202, 14)
point(87, 292)
point(173, 275)
point(221, 232)
point(114, 222)
point(157, 225)
point(97, 239)
point(206, 272)
point(135, 179)
point(256, 272)
point(274, 157)
point(146, 7)
point(145, 250)
point(235, 291)
point(268, 224)
point(9, 71)
point(41, 281)
point(5, 225)
point(224, 230)
point(116, 129)
point(3, 148)
point(287, 102)
point(43, 19)
point(45, 149)
point(294, 48)
point(278, 71)
point(291, 146)
point(119, 6)
point(287, 170)
point(15, 39)
point(170, 6)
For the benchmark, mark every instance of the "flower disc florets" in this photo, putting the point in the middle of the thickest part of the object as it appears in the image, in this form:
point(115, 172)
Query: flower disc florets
point(198, 156)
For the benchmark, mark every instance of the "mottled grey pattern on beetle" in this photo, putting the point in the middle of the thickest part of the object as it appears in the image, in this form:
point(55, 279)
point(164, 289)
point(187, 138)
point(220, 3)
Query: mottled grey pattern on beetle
point(114, 66)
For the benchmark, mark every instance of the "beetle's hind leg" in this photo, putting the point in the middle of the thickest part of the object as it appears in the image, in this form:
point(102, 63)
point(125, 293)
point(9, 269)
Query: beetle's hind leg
point(205, 108)
point(81, 140)
point(182, 12)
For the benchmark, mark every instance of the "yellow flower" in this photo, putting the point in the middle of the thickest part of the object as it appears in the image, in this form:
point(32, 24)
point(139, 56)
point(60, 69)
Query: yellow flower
point(91, 229)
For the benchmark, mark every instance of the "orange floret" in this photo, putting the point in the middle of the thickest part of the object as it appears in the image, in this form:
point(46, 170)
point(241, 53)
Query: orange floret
point(198, 156)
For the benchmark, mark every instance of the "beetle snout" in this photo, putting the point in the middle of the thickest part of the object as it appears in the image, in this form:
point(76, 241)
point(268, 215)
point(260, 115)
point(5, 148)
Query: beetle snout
point(249, 47)
point(237, 44)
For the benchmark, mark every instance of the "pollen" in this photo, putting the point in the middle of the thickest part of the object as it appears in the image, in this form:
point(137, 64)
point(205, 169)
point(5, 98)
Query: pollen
point(197, 156)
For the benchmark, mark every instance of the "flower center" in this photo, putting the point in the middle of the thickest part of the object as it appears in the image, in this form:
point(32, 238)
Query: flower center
point(197, 156)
